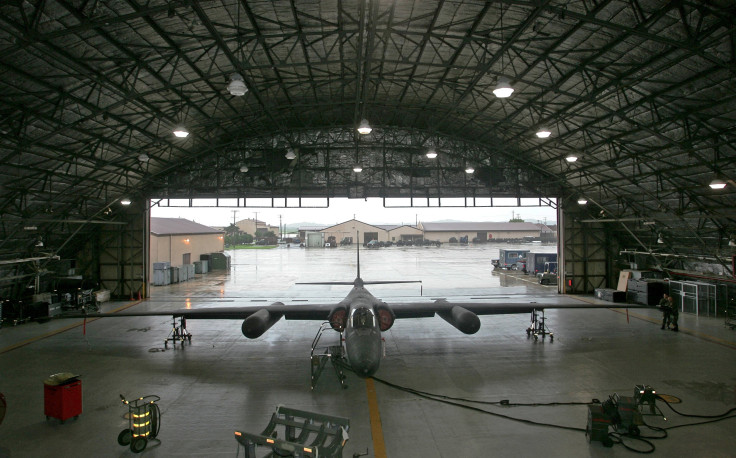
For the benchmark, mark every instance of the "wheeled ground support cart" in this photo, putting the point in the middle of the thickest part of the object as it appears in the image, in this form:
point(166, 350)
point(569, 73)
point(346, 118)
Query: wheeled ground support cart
point(538, 326)
point(178, 333)
point(144, 423)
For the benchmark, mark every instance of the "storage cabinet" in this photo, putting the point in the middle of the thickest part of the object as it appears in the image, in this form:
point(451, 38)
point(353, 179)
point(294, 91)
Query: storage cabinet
point(63, 401)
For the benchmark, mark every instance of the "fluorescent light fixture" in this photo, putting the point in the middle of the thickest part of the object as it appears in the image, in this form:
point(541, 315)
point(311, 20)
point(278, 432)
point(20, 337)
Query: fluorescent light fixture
point(290, 154)
point(237, 85)
point(243, 168)
point(143, 157)
point(582, 200)
point(364, 128)
point(181, 132)
point(357, 168)
point(571, 158)
point(125, 201)
point(469, 169)
point(543, 132)
point(503, 88)
point(431, 153)
point(717, 183)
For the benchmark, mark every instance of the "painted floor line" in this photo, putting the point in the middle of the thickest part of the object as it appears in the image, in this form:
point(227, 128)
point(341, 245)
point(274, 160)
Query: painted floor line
point(379, 446)
point(59, 331)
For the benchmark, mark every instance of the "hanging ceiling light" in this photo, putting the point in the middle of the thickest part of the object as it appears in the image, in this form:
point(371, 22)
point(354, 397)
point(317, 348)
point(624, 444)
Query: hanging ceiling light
point(237, 85)
point(717, 183)
point(660, 239)
point(181, 132)
point(503, 88)
point(543, 132)
point(469, 169)
point(125, 201)
point(582, 200)
point(143, 157)
point(364, 128)
point(732, 242)
point(357, 168)
point(431, 153)
point(243, 168)
point(571, 158)
point(290, 154)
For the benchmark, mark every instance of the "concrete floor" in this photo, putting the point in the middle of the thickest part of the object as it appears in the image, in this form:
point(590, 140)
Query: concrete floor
point(223, 382)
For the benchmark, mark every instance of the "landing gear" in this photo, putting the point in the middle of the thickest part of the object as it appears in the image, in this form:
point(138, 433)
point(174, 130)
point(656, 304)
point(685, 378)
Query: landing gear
point(178, 333)
point(538, 326)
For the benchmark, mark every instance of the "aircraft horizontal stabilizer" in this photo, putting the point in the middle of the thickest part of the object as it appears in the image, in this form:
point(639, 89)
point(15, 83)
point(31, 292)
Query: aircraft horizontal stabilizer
point(325, 283)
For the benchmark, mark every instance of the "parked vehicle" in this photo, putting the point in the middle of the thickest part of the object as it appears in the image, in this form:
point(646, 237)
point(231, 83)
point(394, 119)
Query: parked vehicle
point(511, 259)
point(536, 262)
point(549, 275)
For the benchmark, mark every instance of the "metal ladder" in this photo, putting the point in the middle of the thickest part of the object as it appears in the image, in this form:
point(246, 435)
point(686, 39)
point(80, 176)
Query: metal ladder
point(332, 353)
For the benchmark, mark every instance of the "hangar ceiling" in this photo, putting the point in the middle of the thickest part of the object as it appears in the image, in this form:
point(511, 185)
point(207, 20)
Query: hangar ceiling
point(643, 92)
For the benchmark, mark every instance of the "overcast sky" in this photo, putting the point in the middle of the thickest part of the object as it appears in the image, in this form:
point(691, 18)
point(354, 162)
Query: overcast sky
point(369, 211)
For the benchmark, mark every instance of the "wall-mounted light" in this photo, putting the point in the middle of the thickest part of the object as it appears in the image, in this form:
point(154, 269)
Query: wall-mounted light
point(181, 132)
point(717, 183)
point(543, 132)
point(186, 241)
point(221, 237)
point(431, 153)
point(503, 88)
point(237, 85)
point(364, 128)
point(125, 201)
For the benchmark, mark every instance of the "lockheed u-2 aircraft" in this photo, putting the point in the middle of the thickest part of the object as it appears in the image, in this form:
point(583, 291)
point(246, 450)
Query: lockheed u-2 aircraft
point(361, 317)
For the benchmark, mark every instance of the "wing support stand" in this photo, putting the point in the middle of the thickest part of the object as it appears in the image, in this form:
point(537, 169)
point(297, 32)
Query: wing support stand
point(178, 333)
point(538, 326)
point(333, 353)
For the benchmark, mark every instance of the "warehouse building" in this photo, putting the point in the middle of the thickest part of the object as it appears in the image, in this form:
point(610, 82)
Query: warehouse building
point(178, 241)
point(483, 231)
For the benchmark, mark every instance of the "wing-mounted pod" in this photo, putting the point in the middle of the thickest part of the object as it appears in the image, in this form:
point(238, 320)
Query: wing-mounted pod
point(338, 317)
point(255, 325)
point(386, 316)
point(461, 318)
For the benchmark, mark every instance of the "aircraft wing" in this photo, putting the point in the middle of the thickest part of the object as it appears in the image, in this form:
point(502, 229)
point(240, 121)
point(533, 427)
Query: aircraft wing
point(290, 312)
point(500, 307)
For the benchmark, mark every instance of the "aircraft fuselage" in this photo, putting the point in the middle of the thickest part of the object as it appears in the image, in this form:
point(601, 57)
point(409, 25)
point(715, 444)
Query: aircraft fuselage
point(362, 332)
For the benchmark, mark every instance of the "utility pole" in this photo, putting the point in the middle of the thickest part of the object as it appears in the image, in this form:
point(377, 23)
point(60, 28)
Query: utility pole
point(235, 214)
point(281, 233)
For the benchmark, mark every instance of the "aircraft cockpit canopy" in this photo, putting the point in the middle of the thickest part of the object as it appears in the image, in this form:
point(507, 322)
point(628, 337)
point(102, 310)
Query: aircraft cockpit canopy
point(363, 318)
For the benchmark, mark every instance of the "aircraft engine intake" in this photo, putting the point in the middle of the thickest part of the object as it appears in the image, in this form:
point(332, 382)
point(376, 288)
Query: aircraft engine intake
point(461, 318)
point(255, 325)
point(338, 317)
point(386, 316)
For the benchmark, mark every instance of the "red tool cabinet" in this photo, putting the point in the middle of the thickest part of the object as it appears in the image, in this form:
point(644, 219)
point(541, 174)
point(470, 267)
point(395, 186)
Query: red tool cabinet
point(63, 401)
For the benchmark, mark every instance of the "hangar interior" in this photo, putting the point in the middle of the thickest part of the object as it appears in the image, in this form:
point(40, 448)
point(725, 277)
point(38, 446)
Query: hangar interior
point(622, 116)
point(640, 93)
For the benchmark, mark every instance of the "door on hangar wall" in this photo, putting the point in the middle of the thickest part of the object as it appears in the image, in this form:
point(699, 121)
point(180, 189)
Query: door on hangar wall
point(368, 236)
